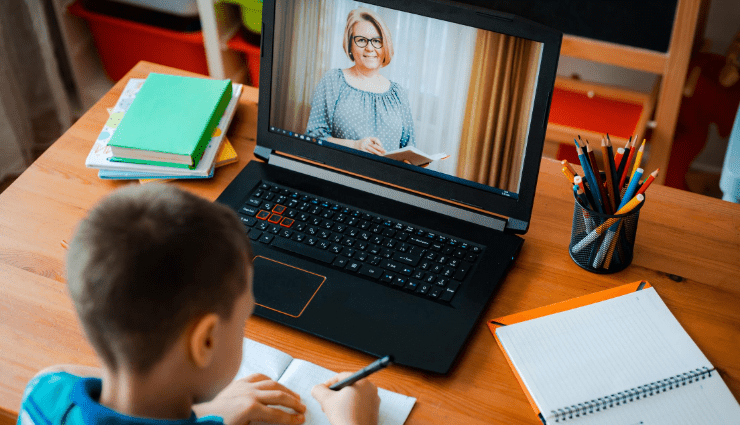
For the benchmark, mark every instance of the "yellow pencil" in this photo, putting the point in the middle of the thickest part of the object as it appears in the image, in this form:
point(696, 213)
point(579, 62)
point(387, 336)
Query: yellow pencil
point(565, 163)
point(568, 174)
point(638, 158)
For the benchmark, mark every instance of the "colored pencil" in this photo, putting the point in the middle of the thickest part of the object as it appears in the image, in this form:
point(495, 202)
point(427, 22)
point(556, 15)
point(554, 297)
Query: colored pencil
point(579, 181)
point(638, 159)
point(623, 161)
point(626, 171)
point(568, 174)
point(581, 195)
point(597, 179)
point(582, 145)
point(613, 168)
point(647, 182)
point(565, 163)
point(590, 179)
point(632, 188)
point(607, 158)
point(617, 159)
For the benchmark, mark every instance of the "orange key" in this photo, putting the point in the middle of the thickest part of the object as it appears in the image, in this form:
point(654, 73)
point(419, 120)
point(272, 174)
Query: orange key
point(278, 209)
point(286, 222)
point(262, 215)
point(274, 218)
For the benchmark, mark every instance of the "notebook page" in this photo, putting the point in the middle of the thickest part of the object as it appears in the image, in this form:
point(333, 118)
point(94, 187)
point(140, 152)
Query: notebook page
point(260, 358)
point(599, 349)
point(301, 376)
point(707, 402)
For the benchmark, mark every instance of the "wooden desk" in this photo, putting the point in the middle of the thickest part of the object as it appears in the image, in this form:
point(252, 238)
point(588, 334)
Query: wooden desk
point(688, 247)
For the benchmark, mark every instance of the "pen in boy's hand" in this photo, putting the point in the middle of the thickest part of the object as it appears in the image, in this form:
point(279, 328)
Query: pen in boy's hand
point(364, 372)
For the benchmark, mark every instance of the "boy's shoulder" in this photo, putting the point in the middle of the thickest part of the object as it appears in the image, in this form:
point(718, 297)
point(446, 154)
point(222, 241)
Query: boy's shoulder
point(63, 398)
point(47, 398)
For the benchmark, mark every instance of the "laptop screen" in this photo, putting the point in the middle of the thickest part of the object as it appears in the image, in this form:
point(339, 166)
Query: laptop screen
point(446, 108)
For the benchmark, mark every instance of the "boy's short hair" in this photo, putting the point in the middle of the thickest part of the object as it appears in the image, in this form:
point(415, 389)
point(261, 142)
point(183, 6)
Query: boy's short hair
point(148, 260)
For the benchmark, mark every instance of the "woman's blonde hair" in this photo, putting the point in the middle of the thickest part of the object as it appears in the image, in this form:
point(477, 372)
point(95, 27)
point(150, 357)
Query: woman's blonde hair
point(359, 15)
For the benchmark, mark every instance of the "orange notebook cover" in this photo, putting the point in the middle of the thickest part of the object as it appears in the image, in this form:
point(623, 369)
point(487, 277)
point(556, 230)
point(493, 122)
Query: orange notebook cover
point(552, 309)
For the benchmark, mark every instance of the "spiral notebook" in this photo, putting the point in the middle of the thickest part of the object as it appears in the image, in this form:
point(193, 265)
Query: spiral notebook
point(613, 357)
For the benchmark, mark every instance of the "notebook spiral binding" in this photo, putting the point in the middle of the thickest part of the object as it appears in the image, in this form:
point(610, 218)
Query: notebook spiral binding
point(624, 397)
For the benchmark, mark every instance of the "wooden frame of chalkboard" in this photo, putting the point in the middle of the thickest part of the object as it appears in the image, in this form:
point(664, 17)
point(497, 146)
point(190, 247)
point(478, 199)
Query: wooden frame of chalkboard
point(636, 23)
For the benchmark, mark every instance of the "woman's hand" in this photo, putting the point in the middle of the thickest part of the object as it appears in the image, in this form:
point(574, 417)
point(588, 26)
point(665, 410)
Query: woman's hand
point(355, 404)
point(249, 399)
point(370, 144)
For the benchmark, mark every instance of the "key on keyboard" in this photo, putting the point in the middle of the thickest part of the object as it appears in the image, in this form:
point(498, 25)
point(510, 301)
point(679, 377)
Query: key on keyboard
point(400, 255)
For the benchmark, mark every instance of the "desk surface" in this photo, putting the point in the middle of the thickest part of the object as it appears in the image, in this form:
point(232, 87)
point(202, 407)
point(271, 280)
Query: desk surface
point(688, 248)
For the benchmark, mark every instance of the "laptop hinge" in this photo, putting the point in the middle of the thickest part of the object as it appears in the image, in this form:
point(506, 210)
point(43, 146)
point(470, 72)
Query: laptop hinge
point(516, 226)
point(262, 153)
point(492, 222)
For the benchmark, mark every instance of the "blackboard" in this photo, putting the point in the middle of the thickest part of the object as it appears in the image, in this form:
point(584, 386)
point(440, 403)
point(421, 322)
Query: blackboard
point(639, 23)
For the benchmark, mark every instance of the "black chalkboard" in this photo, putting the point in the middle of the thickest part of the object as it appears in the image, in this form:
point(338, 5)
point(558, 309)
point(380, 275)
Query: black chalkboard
point(639, 23)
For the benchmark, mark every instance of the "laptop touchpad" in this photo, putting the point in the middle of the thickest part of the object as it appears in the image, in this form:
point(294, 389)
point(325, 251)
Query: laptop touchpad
point(284, 288)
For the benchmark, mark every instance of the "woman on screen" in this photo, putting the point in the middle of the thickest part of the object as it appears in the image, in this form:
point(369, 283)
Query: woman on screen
point(357, 107)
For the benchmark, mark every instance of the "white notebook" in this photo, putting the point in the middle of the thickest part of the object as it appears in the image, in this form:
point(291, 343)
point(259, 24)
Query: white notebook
point(625, 360)
point(301, 376)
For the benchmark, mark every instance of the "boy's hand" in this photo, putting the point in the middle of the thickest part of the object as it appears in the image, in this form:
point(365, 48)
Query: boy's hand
point(355, 404)
point(249, 399)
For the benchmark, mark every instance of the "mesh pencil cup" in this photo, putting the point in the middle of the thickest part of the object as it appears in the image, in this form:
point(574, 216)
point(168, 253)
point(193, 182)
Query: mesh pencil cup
point(603, 243)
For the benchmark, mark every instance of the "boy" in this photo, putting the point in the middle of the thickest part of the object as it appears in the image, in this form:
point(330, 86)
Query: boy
point(161, 282)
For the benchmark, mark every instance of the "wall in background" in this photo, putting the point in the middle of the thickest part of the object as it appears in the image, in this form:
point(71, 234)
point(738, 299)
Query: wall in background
point(723, 22)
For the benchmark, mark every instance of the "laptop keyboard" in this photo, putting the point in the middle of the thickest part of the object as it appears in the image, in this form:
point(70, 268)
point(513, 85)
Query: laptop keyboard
point(397, 254)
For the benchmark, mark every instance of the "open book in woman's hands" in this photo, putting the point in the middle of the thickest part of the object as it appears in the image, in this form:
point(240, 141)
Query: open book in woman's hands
point(414, 156)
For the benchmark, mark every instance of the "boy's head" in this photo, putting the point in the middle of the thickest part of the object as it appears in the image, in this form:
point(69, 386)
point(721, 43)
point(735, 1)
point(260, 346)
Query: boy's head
point(150, 261)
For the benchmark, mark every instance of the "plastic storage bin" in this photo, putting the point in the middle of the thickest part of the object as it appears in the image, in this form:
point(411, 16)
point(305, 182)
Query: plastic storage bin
point(122, 43)
point(175, 7)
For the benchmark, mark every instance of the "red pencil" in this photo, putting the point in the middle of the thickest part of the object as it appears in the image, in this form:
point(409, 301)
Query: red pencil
point(647, 182)
point(618, 158)
point(626, 171)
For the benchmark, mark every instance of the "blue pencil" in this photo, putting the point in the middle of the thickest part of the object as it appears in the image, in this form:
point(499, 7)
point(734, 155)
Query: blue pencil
point(632, 187)
point(590, 178)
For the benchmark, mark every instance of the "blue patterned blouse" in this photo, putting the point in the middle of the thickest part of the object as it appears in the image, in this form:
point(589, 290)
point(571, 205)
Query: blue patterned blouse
point(342, 111)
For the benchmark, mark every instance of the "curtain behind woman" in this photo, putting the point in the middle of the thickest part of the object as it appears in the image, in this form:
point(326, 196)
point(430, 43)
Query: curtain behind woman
point(304, 49)
point(497, 116)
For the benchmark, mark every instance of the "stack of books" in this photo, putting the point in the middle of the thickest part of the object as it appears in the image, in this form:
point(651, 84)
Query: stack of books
point(167, 127)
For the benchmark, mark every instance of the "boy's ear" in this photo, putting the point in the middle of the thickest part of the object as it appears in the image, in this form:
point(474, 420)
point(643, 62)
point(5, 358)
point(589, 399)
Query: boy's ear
point(203, 340)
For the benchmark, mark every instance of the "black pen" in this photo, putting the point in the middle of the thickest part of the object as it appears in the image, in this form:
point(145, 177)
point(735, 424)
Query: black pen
point(373, 367)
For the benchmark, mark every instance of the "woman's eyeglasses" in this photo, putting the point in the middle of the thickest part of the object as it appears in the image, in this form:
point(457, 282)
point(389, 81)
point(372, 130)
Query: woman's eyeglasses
point(361, 42)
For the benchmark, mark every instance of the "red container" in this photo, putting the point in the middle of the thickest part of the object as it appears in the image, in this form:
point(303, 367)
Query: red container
point(122, 44)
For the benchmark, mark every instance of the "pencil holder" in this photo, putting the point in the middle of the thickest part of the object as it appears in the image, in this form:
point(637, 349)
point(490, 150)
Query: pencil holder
point(603, 243)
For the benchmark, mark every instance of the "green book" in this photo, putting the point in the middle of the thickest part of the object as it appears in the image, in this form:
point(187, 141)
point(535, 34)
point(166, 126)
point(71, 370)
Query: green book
point(170, 121)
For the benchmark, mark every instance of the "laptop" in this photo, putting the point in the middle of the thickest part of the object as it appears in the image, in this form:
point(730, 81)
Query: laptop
point(398, 149)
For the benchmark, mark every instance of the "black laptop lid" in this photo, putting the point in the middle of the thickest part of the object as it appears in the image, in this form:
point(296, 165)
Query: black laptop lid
point(470, 85)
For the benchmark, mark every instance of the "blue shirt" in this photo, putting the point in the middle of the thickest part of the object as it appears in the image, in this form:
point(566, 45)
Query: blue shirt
point(342, 111)
point(61, 398)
